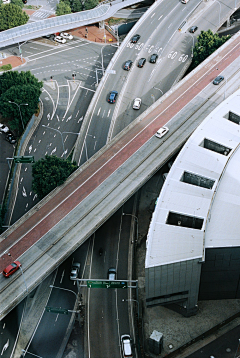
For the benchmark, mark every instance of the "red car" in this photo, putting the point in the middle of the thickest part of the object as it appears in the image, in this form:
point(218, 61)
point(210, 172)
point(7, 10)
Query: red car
point(10, 269)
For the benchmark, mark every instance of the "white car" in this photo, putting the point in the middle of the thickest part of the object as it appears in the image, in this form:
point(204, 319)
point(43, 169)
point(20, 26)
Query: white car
point(60, 39)
point(126, 345)
point(66, 35)
point(161, 132)
point(137, 103)
point(4, 128)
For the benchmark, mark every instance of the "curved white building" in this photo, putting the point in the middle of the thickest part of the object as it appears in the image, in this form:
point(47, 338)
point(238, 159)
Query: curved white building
point(193, 245)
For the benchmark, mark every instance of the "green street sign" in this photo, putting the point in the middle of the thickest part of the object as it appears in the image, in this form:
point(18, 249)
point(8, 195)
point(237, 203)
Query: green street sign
point(56, 310)
point(24, 159)
point(107, 284)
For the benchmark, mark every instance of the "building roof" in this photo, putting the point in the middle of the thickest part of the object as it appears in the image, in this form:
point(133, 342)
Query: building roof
point(199, 204)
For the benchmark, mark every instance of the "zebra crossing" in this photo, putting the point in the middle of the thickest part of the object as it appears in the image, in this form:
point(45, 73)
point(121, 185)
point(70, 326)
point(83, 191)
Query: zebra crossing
point(40, 15)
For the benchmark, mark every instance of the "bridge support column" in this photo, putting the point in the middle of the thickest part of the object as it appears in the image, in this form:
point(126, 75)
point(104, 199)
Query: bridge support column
point(101, 25)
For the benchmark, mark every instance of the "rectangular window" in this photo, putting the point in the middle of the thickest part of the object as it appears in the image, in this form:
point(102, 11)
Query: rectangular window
point(198, 180)
point(233, 117)
point(192, 222)
point(215, 147)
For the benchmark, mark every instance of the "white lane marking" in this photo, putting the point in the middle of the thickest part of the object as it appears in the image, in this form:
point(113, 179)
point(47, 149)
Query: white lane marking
point(160, 17)
point(5, 347)
point(99, 111)
point(53, 151)
point(30, 149)
point(153, 15)
point(62, 276)
point(109, 113)
point(24, 193)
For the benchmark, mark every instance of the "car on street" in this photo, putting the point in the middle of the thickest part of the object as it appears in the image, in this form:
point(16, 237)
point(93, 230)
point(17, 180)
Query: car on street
point(127, 65)
point(218, 79)
point(153, 58)
point(137, 103)
point(112, 97)
point(193, 29)
point(161, 132)
point(10, 138)
point(66, 35)
point(112, 273)
point(135, 38)
point(24, 1)
point(141, 62)
point(126, 346)
point(10, 269)
point(4, 128)
point(60, 39)
point(75, 270)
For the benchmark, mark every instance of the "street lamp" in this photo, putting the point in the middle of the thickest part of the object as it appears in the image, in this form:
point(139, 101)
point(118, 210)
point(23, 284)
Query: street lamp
point(90, 135)
point(129, 300)
point(102, 59)
point(23, 350)
point(135, 218)
point(61, 133)
point(22, 104)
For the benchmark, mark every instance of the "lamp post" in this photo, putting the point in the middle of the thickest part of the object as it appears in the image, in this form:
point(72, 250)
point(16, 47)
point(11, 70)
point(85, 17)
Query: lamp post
point(61, 133)
point(102, 59)
point(129, 300)
point(193, 43)
point(22, 104)
point(23, 350)
point(90, 135)
point(135, 218)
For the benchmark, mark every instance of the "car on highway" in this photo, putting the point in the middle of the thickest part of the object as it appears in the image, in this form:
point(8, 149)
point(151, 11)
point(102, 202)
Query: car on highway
point(10, 138)
point(161, 132)
point(137, 103)
point(60, 39)
point(193, 29)
point(153, 58)
point(126, 345)
point(66, 35)
point(112, 274)
point(75, 270)
point(135, 38)
point(218, 79)
point(112, 97)
point(10, 269)
point(127, 65)
point(4, 128)
point(49, 36)
point(141, 62)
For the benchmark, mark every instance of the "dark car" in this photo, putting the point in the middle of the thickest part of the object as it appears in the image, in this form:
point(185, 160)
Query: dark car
point(112, 97)
point(10, 269)
point(135, 38)
point(218, 79)
point(153, 58)
point(10, 138)
point(127, 65)
point(24, 1)
point(193, 29)
point(141, 62)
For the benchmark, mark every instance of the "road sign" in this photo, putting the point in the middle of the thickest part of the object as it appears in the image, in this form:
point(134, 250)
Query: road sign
point(56, 310)
point(24, 159)
point(107, 284)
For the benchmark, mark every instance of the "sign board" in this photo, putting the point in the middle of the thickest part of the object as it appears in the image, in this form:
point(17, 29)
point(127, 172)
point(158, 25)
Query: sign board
point(24, 159)
point(107, 284)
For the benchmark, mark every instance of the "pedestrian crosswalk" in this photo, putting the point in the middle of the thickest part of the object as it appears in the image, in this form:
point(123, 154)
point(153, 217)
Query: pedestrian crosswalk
point(40, 15)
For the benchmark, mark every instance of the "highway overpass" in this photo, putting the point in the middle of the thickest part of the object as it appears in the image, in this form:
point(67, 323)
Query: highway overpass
point(61, 222)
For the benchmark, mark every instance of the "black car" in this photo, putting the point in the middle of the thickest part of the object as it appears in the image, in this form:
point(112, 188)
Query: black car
point(24, 1)
point(135, 38)
point(10, 138)
point(141, 62)
point(193, 29)
point(218, 79)
point(127, 65)
point(153, 58)
point(112, 97)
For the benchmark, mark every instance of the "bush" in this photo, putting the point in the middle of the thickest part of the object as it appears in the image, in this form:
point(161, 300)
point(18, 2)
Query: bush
point(6, 67)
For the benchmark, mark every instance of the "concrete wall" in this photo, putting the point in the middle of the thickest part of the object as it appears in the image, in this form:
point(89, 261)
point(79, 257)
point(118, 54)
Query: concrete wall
point(175, 283)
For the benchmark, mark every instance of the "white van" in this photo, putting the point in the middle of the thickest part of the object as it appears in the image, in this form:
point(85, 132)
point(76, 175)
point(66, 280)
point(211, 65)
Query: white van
point(126, 346)
point(185, 1)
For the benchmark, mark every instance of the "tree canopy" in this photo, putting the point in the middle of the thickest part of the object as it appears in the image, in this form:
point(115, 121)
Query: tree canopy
point(50, 172)
point(90, 4)
point(11, 16)
point(18, 2)
point(63, 8)
point(21, 88)
point(207, 43)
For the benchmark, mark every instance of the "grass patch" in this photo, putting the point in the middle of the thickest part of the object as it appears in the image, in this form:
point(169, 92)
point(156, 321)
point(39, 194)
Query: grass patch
point(6, 67)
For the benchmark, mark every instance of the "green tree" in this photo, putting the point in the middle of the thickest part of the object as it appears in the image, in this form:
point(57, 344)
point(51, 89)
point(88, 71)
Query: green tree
point(50, 172)
point(11, 16)
point(26, 94)
point(90, 4)
point(18, 2)
point(14, 78)
point(207, 43)
point(76, 6)
point(63, 8)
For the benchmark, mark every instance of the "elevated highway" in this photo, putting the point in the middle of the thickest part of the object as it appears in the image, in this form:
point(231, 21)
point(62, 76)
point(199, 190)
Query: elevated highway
point(56, 226)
